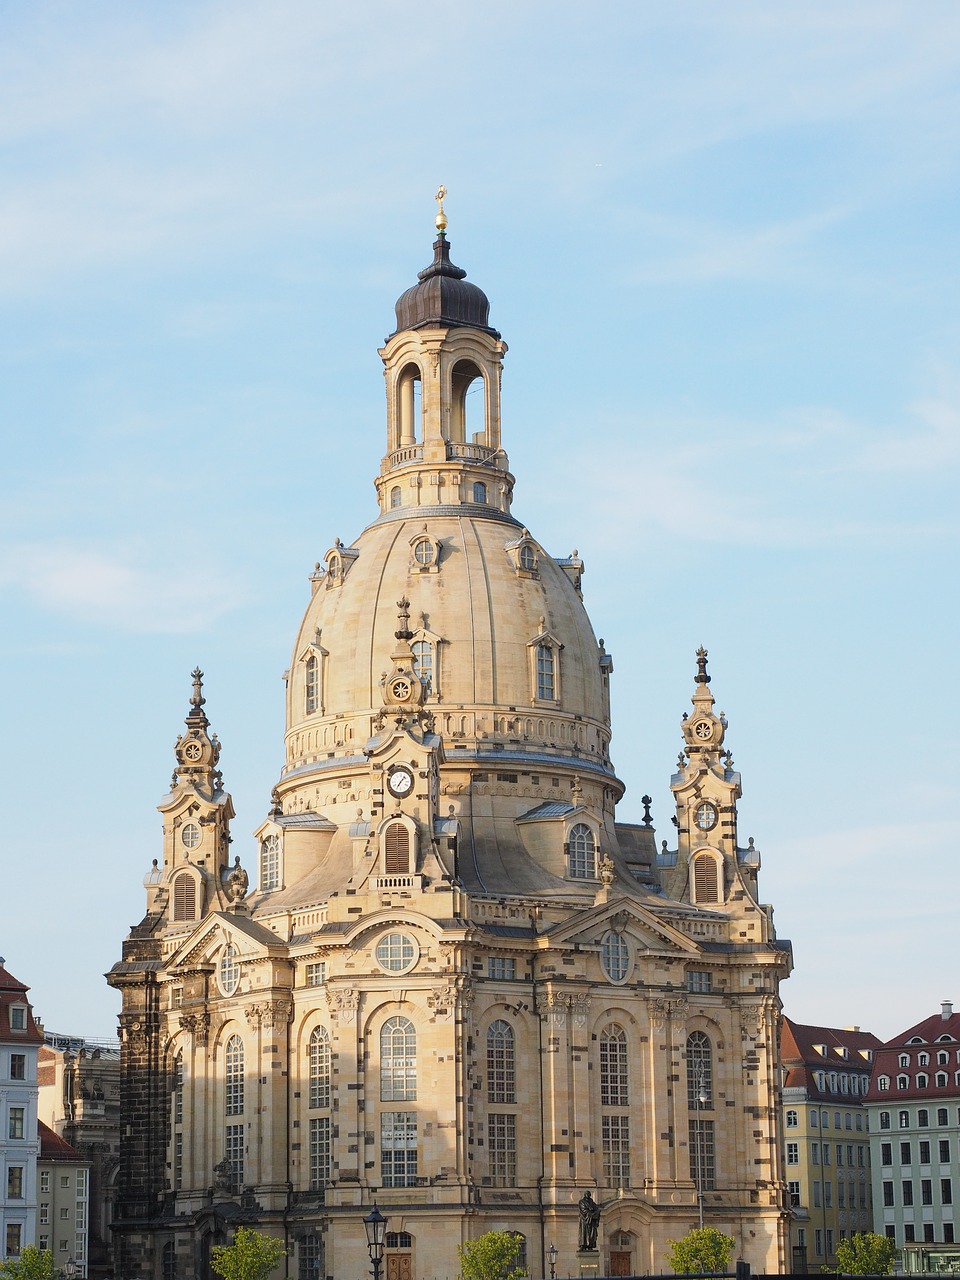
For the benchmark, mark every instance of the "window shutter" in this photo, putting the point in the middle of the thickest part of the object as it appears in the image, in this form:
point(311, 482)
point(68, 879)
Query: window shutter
point(396, 848)
point(705, 880)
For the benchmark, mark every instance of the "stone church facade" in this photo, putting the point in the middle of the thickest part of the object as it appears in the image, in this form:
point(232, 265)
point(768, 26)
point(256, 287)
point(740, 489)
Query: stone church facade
point(461, 988)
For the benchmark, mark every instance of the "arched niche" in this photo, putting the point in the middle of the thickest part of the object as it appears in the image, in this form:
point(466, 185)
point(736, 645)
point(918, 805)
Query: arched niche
point(468, 415)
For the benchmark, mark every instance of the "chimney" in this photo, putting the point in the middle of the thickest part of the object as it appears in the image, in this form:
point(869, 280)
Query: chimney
point(946, 1009)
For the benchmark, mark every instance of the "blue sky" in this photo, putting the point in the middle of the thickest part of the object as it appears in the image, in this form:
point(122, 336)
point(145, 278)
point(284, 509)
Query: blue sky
point(721, 242)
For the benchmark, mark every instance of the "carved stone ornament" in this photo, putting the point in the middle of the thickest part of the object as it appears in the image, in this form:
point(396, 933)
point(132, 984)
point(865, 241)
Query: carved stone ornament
point(580, 1007)
point(556, 1005)
point(443, 1001)
point(198, 1024)
point(343, 1004)
point(664, 1010)
point(270, 1013)
point(237, 882)
point(752, 1020)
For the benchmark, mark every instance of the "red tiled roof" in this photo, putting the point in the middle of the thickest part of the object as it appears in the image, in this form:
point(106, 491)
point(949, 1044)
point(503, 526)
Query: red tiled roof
point(12, 991)
point(801, 1058)
point(932, 1034)
point(53, 1147)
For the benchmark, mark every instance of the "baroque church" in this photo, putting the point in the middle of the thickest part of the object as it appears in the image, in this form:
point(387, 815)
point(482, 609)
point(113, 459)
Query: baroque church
point(461, 989)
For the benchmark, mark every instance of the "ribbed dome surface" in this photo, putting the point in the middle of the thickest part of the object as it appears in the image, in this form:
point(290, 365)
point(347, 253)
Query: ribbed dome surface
point(443, 297)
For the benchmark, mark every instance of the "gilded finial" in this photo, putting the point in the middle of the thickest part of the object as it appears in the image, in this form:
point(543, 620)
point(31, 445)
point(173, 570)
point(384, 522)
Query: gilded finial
point(441, 216)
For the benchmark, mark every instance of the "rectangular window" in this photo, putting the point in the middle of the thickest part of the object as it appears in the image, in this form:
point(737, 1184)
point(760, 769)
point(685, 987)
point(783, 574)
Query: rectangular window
point(923, 1118)
point(616, 1150)
point(829, 1240)
point(309, 1258)
point(817, 1198)
point(43, 1243)
point(15, 1182)
point(826, 1153)
point(794, 1190)
point(64, 1214)
point(18, 1066)
point(906, 1192)
point(884, 1119)
point(81, 1183)
point(886, 1153)
point(801, 1237)
point(946, 1191)
point(65, 1181)
point(176, 998)
point(14, 1233)
point(398, 1148)
point(888, 1195)
point(944, 1146)
point(702, 1154)
point(924, 1152)
point(828, 1195)
point(18, 1018)
point(502, 1149)
point(948, 1233)
point(904, 1152)
point(815, 1152)
point(316, 974)
point(501, 968)
point(818, 1242)
point(44, 1212)
point(928, 1233)
point(233, 1153)
point(860, 1157)
point(177, 1161)
point(839, 1156)
point(926, 1191)
point(15, 1122)
point(319, 1152)
point(793, 1153)
point(841, 1196)
point(45, 1180)
point(904, 1118)
point(699, 981)
point(908, 1233)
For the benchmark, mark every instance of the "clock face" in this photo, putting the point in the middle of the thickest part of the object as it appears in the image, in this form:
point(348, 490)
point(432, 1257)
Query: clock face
point(192, 751)
point(704, 730)
point(400, 782)
point(705, 816)
point(400, 688)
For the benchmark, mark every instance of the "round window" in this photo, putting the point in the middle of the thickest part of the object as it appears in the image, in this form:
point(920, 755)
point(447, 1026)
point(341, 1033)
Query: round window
point(396, 952)
point(615, 956)
point(528, 557)
point(423, 551)
point(190, 835)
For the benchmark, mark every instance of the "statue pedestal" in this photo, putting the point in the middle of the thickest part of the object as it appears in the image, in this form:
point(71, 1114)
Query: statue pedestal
point(588, 1261)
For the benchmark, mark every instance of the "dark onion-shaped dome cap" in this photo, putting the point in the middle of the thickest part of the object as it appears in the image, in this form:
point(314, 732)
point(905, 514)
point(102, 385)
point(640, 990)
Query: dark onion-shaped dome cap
point(443, 297)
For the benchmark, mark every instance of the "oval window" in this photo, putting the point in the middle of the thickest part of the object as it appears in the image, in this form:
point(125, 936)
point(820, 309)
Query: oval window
point(615, 956)
point(396, 952)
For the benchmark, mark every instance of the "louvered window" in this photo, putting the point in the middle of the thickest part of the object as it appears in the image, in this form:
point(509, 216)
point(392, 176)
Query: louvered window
point(396, 849)
point(705, 880)
point(184, 898)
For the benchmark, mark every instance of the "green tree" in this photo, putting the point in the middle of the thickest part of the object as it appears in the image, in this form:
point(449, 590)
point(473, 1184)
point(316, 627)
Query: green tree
point(702, 1249)
point(493, 1256)
point(252, 1256)
point(866, 1254)
point(31, 1264)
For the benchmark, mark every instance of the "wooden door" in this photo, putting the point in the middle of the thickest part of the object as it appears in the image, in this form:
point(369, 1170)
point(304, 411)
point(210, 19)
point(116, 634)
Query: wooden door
point(620, 1262)
point(399, 1266)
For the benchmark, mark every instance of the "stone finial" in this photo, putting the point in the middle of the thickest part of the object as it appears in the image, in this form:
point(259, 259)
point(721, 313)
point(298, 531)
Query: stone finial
point(197, 700)
point(646, 801)
point(702, 677)
point(576, 791)
point(403, 632)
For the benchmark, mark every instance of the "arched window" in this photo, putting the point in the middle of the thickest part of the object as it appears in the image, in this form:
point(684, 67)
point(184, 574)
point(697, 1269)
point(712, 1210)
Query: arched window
point(904, 1060)
point(528, 557)
point(270, 862)
point(312, 683)
point(501, 1062)
point(941, 1079)
point(169, 1265)
point(319, 1067)
point(396, 850)
point(233, 1076)
point(699, 1072)
point(423, 663)
point(923, 1059)
point(395, 496)
point(922, 1080)
point(410, 406)
point(613, 1066)
point(468, 414)
point(184, 898)
point(398, 1061)
point(479, 492)
point(546, 674)
point(903, 1082)
point(792, 1119)
point(705, 880)
point(883, 1083)
point(581, 853)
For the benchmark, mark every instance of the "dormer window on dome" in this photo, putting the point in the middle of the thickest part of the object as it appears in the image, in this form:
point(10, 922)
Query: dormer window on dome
point(524, 556)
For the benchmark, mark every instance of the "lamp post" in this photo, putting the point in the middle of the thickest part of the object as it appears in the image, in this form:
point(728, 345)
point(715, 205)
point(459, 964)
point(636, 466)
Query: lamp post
point(552, 1254)
point(702, 1100)
point(375, 1225)
point(70, 1269)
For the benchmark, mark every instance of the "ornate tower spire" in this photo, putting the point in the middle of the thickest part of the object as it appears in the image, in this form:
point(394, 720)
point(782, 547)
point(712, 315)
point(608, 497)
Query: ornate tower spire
point(197, 751)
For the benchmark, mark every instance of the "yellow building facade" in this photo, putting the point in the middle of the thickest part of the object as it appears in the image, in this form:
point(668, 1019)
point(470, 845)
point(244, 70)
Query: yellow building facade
point(462, 987)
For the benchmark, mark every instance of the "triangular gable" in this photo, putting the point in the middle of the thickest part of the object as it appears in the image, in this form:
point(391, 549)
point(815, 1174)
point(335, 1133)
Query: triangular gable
point(249, 937)
point(622, 913)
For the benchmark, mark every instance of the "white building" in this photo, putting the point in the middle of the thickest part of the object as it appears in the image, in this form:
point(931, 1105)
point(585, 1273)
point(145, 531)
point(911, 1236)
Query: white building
point(20, 1040)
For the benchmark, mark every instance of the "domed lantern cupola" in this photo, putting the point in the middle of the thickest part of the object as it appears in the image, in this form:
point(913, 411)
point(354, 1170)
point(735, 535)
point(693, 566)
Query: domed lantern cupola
point(442, 366)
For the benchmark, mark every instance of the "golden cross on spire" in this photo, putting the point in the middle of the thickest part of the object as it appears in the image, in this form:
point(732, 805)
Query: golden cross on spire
point(441, 216)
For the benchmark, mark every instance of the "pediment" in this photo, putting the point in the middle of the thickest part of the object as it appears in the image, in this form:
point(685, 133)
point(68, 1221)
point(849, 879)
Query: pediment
point(250, 939)
point(627, 916)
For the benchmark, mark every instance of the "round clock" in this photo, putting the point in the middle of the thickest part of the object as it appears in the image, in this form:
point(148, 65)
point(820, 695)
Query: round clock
point(704, 730)
point(705, 816)
point(400, 781)
point(192, 751)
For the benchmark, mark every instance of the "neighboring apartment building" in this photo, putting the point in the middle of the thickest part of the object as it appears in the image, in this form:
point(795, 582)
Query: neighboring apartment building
point(80, 1100)
point(20, 1040)
point(914, 1104)
point(63, 1202)
point(826, 1077)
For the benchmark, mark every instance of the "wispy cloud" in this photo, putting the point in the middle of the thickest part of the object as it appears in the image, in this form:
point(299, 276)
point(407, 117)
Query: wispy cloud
point(108, 590)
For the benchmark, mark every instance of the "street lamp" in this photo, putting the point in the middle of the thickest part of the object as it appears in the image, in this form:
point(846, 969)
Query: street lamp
point(702, 1099)
point(375, 1225)
point(70, 1269)
point(552, 1255)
